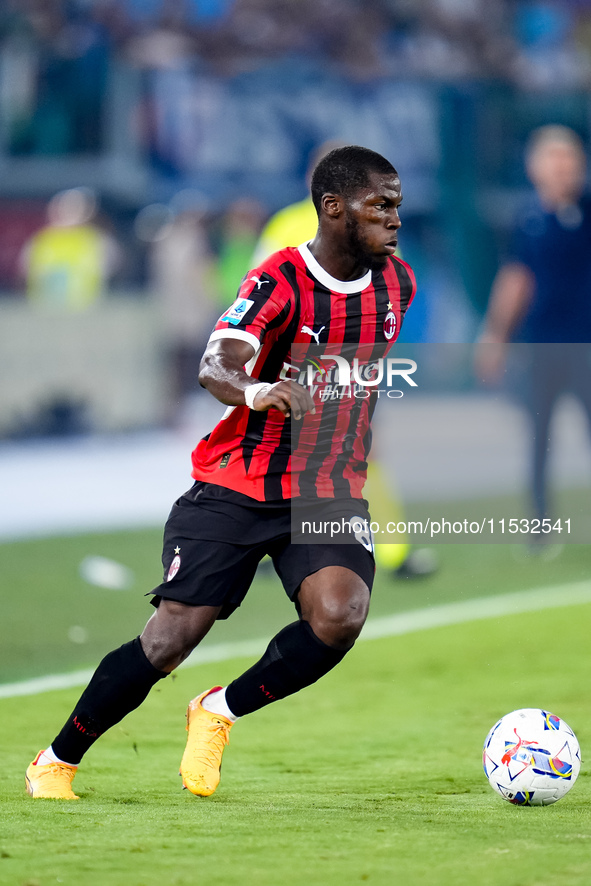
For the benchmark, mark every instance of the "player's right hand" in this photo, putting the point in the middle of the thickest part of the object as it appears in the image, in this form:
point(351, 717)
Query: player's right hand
point(288, 397)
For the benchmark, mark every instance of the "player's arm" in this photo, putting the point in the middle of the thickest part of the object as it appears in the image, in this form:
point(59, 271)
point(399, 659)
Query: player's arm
point(222, 374)
point(511, 293)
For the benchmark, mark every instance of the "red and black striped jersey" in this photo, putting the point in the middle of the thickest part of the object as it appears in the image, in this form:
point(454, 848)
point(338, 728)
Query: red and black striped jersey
point(285, 308)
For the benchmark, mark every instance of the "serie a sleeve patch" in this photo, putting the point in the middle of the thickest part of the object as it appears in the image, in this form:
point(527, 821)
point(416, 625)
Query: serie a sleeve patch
point(238, 311)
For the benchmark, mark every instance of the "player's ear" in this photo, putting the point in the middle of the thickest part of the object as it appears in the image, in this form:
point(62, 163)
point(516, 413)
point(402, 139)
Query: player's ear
point(333, 205)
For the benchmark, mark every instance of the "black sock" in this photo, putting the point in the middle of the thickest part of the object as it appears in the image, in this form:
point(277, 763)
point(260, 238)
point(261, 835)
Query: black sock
point(294, 658)
point(119, 685)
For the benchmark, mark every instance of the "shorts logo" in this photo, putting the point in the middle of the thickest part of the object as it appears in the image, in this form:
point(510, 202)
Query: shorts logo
point(236, 313)
point(175, 565)
point(362, 532)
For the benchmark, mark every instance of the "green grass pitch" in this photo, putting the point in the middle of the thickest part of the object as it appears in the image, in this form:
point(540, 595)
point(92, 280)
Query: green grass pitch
point(372, 775)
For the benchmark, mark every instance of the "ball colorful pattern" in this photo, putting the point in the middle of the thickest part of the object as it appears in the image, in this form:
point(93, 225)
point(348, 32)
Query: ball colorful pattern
point(531, 757)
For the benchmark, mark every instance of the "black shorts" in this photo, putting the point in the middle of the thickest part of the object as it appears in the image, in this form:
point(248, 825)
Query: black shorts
point(215, 538)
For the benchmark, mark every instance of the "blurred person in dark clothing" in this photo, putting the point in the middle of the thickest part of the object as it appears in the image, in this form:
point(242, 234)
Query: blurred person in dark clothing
point(542, 294)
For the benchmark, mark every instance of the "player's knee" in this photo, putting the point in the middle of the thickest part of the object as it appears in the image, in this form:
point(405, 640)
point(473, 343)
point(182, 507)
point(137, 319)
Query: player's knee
point(174, 631)
point(166, 652)
point(337, 619)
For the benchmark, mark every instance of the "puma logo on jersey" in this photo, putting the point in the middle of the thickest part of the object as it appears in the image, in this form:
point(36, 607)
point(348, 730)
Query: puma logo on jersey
point(315, 335)
point(258, 281)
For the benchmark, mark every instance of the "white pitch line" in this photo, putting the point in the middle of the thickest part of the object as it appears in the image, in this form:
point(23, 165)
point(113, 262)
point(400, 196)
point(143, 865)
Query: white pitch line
point(387, 626)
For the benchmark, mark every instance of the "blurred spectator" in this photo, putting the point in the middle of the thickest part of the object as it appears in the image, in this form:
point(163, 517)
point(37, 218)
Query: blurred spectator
point(19, 220)
point(201, 12)
point(541, 295)
point(182, 278)
point(56, 55)
point(168, 44)
point(68, 263)
point(296, 223)
point(63, 49)
point(548, 57)
point(166, 52)
point(241, 226)
point(459, 39)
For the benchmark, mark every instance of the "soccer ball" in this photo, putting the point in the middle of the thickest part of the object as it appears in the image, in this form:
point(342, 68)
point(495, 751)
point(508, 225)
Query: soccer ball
point(531, 757)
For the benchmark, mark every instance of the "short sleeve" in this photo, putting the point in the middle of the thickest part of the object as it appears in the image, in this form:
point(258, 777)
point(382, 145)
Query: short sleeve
point(262, 304)
point(529, 231)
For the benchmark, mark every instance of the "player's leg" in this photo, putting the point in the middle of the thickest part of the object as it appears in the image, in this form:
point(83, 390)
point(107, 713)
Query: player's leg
point(202, 580)
point(333, 605)
point(332, 602)
point(173, 632)
point(119, 685)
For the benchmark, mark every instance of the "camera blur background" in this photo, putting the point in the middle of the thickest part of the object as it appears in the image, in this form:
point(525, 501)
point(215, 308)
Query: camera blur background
point(143, 146)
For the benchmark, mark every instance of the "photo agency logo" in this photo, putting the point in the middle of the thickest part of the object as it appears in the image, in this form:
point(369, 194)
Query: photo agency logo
point(334, 376)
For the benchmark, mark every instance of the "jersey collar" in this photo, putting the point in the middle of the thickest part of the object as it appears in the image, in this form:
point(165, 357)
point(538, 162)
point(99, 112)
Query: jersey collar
point(345, 286)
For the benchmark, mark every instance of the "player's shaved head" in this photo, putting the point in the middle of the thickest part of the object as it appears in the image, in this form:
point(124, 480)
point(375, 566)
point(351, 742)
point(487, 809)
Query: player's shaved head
point(345, 171)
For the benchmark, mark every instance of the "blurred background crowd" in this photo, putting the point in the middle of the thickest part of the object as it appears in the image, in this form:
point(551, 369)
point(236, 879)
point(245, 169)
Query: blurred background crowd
point(144, 143)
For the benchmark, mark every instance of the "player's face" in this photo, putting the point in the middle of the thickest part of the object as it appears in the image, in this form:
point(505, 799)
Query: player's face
point(372, 220)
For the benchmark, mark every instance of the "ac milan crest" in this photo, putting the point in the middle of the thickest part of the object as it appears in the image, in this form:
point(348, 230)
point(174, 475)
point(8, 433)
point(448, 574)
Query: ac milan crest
point(390, 325)
point(175, 565)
